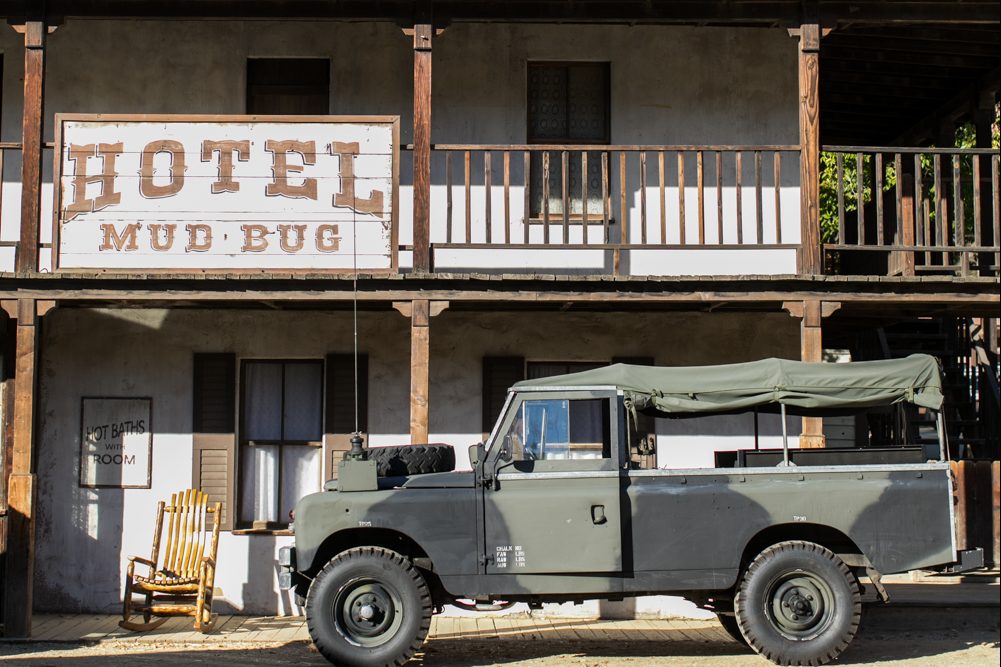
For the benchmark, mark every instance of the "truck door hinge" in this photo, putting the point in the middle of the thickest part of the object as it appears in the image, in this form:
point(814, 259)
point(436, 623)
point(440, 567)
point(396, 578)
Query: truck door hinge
point(486, 560)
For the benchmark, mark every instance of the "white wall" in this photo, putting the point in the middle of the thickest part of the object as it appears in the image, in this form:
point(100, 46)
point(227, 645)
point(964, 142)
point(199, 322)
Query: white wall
point(148, 353)
point(670, 85)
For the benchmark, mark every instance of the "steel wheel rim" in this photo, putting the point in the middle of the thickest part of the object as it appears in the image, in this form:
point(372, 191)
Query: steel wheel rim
point(800, 605)
point(367, 612)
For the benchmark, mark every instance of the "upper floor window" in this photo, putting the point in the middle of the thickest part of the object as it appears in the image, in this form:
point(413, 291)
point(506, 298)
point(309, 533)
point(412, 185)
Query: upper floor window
point(568, 103)
point(288, 86)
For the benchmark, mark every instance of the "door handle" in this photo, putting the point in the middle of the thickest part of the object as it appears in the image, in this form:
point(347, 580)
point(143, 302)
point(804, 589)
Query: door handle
point(598, 515)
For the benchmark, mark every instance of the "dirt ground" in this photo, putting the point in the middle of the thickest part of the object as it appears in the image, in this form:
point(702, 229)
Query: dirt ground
point(961, 648)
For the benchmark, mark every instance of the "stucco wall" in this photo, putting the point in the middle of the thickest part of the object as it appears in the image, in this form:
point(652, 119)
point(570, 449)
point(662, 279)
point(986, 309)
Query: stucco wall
point(669, 85)
point(148, 353)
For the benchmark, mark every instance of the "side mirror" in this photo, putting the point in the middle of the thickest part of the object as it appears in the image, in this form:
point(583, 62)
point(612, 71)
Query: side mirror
point(476, 454)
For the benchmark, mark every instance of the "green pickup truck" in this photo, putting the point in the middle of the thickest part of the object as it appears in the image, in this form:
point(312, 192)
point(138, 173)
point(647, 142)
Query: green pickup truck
point(565, 503)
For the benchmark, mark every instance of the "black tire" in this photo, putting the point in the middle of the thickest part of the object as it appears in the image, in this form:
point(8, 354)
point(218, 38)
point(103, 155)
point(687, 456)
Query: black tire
point(368, 607)
point(729, 623)
point(798, 604)
point(402, 460)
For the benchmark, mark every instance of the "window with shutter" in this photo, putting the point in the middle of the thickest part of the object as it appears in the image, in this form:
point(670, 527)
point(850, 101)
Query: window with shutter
point(213, 430)
point(280, 438)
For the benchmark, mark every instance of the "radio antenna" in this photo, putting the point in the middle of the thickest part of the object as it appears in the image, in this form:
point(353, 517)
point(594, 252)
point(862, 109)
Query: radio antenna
point(354, 305)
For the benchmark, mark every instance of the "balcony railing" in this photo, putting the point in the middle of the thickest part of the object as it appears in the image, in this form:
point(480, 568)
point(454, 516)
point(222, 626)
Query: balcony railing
point(673, 209)
point(915, 210)
point(640, 199)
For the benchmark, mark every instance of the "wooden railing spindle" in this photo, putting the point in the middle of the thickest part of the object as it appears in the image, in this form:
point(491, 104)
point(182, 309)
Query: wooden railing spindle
point(527, 194)
point(778, 196)
point(681, 196)
point(719, 197)
point(877, 194)
point(545, 197)
point(643, 197)
point(565, 185)
point(623, 201)
point(899, 196)
point(941, 225)
point(860, 196)
point(469, 200)
point(448, 196)
point(507, 196)
point(663, 201)
point(739, 190)
point(840, 158)
point(487, 186)
point(700, 186)
point(959, 216)
point(759, 221)
point(606, 197)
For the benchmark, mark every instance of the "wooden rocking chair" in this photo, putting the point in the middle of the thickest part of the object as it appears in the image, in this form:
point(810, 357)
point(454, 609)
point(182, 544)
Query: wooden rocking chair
point(182, 585)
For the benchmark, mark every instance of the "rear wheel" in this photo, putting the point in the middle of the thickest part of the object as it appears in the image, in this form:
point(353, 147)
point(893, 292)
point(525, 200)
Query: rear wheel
point(368, 607)
point(798, 604)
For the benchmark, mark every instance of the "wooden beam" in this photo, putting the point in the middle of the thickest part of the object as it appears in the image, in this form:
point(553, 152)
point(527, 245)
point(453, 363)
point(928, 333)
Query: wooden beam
point(809, 139)
point(26, 259)
point(420, 354)
point(423, 38)
point(21, 491)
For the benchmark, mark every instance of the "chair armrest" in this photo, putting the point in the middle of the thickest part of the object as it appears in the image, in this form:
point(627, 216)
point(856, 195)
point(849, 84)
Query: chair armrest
point(144, 561)
point(208, 560)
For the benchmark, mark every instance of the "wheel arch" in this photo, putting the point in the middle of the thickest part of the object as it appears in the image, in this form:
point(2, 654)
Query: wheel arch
point(824, 535)
point(350, 538)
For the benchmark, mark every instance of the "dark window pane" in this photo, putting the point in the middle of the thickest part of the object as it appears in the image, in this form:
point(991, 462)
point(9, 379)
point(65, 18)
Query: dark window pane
point(288, 86)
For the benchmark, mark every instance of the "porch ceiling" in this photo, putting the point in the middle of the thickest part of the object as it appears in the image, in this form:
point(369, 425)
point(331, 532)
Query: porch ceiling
point(886, 85)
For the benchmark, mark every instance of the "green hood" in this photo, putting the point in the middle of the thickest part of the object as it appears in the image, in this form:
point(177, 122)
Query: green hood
point(805, 388)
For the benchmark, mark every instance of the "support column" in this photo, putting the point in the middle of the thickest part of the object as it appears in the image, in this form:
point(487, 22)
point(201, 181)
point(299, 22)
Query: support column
point(423, 37)
point(812, 349)
point(26, 260)
point(21, 489)
point(420, 355)
point(809, 140)
point(811, 314)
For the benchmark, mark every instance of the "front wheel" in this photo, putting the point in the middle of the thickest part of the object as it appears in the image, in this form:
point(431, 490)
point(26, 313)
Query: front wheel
point(798, 604)
point(368, 607)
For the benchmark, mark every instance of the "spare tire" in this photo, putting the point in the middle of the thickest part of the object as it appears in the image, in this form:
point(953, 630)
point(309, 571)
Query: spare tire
point(402, 460)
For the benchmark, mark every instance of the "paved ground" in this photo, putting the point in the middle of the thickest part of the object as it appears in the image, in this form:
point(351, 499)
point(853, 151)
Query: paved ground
point(961, 629)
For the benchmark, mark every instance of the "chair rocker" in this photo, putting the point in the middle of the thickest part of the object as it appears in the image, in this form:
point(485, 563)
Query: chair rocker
point(182, 584)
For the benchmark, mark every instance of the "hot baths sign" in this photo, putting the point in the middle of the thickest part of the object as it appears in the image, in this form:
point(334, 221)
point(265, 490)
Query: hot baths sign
point(242, 193)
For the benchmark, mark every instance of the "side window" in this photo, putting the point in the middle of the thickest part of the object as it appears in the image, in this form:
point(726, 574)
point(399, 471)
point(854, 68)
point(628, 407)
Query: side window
point(560, 430)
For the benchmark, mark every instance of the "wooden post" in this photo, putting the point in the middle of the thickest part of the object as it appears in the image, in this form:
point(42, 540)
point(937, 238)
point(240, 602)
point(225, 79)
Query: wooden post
point(420, 353)
point(811, 314)
point(21, 489)
point(809, 139)
point(26, 260)
point(812, 349)
point(423, 36)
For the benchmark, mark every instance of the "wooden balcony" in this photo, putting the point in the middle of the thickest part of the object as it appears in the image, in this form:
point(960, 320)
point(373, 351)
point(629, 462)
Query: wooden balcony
point(689, 210)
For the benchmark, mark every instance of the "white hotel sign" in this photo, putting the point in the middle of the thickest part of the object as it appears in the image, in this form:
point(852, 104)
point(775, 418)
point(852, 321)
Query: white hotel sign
point(229, 193)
